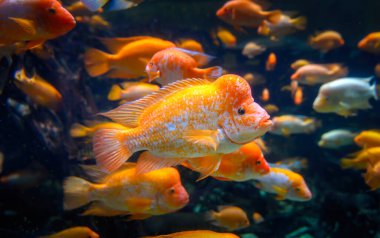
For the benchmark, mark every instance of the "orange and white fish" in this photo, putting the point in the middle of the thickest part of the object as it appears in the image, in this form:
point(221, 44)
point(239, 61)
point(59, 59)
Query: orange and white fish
point(286, 125)
point(360, 159)
point(186, 119)
point(74, 232)
point(298, 96)
point(285, 183)
point(196, 234)
point(271, 62)
point(155, 193)
point(225, 36)
point(77, 130)
point(372, 175)
point(285, 26)
point(367, 139)
point(128, 58)
point(265, 95)
point(130, 91)
point(248, 162)
point(370, 43)
point(335, 139)
point(33, 21)
point(312, 74)
point(251, 50)
point(38, 90)
point(243, 13)
point(170, 65)
point(295, 164)
point(229, 217)
point(326, 41)
point(257, 217)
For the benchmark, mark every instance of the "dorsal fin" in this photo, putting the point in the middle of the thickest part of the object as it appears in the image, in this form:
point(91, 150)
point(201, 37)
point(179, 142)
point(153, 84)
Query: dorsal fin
point(97, 175)
point(128, 113)
point(114, 45)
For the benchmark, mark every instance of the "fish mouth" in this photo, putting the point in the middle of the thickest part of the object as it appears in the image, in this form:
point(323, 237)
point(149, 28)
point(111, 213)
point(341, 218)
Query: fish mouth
point(265, 122)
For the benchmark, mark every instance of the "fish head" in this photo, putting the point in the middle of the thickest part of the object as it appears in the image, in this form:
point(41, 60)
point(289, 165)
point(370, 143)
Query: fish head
point(176, 196)
point(241, 118)
point(55, 19)
point(325, 101)
point(90, 233)
point(152, 69)
point(359, 139)
point(255, 158)
point(226, 12)
point(299, 190)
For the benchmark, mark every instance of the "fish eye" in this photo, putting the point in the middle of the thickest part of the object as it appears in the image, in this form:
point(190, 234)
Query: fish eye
point(171, 190)
point(298, 190)
point(258, 162)
point(52, 10)
point(241, 111)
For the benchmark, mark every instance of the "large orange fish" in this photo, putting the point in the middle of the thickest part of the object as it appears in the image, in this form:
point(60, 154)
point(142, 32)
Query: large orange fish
point(33, 21)
point(229, 217)
point(246, 163)
point(196, 234)
point(74, 232)
point(187, 119)
point(123, 192)
point(371, 43)
point(170, 65)
point(128, 57)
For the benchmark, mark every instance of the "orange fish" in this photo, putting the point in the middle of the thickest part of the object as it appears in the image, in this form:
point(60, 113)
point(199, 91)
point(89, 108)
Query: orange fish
point(130, 91)
point(229, 217)
point(326, 41)
point(187, 119)
point(196, 234)
point(368, 139)
point(77, 130)
point(377, 70)
point(190, 44)
point(38, 90)
point(226, 37)
point(257, 217)
point(243, 13)
point(360, 159)
point(265, 95)
point(170, 65)
point(128, 57)
point(246, 163)
point(372, 176)
point(33, 21)
point(271, 62)
point(371, 43)
point(298, 96)
point(299, 63)
point(154, 193)
point(74, 232)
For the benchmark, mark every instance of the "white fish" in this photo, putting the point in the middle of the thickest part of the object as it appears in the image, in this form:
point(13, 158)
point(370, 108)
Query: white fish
point(345, 96)
point(251, 49)
point(336, 139)
point(290, 124)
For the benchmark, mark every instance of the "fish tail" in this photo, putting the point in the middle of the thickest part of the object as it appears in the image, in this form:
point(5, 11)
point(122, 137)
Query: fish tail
point(375, 90)
point(112, 147)
point(347, 163)
point(94, 5)
point(76, 192)
point(96, 62)
point(300, 23)
point(210, 215)
point(212, 72)
point(78, 130)
point(274, 16)
point(115, 93)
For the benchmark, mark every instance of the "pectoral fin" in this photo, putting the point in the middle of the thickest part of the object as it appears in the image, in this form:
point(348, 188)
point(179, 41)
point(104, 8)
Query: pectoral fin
point(285, 131)
point(281, 192)
point(209, 166)
point(207, 138)
point(27, 25)
point(136, 204)
point(148, 162)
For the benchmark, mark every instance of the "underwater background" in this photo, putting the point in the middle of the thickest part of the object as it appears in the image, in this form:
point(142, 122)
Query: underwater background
point(38, 146)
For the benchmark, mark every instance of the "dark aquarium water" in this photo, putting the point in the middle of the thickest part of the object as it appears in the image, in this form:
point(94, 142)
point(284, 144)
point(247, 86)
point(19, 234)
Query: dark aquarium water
point(311, 170)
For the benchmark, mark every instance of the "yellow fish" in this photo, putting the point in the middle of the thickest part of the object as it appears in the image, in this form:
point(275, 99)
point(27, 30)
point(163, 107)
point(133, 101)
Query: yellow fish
point(74, 232)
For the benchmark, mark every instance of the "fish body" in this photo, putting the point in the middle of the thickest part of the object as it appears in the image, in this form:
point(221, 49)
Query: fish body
point(190, 44)
point(130, 91)
point(33, 21)
point(110, 5)
point(251, 50)
point(265, 95)
point(257, 217)
point(242, 13)
point(285, 26)
point(123, 192)
point(370, 43)
point(128, 58)
point(368, 139)
point(345, 96)
point(290, 124)
point(74, 232)
point(298, 96)
point(229, 217)
point(271, 62)
point(286, 184)
point(196, 234)
point(299, 63)
point(170, 65)
point(226, 37)
point(372, 175)
point(312, 74)
point(326, 41)
point(187, 119)
point(336, 139)
point(361, 159)
point(294, 164)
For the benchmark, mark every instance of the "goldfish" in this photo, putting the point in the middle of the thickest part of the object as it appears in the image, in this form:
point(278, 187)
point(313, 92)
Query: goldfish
point(229, 217)
point(271, 62)
point(271, 108)
point(370, 43)
point(312, 74)
point(246, 163)
point(359, 160)
point(251, 50)
point(372, 175)
point(226, 37)
point(257, 217)
point(326, 41)
point(130, 91)
point(187, 119)
point(33, 21)
point(38, 90)
point(286, 184)
point(290, 124)
point(242, 13)
point(368, 139)
point(191, 45)
point(153, 193)
point(345, 96)
point(77, 130)
point(110, 5)
point(265, 95)
point(74, 232)
point(254, 79)
point(170, 65)
point(377, 70)
point(298, 96)
point(196, 234)
point(299, 63)
point(335, 139)
point(285, 26)
point(128, 58)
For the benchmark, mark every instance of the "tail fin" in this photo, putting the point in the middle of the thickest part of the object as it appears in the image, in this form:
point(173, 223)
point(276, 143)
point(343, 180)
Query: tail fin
point(111, 148)
point(96, 62)
point(115, 93)
point(274, 16)
point(300, 23)
point(78, 130)
point(213, 72)
point(76, 192)
point(374, 90)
